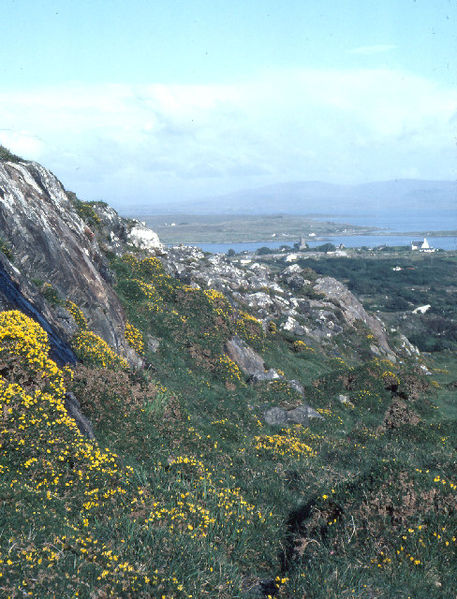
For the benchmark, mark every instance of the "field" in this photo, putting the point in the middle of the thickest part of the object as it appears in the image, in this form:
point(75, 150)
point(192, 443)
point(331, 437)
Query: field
point(236, 229)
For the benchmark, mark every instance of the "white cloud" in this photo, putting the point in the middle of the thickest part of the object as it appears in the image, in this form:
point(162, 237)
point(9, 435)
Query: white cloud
point(21, 142)
point(374, 49)
point(156, 142)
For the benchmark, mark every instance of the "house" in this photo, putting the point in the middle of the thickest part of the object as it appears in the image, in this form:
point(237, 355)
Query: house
point(422, 246)
point(422, 309)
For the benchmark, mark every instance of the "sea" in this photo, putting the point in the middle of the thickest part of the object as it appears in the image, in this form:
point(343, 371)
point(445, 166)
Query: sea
point(397, 230)
point(349, 241)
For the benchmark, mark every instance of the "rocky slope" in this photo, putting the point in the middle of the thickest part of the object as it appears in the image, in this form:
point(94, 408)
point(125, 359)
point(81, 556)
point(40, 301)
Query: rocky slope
point(67, 260)
point(315, 309)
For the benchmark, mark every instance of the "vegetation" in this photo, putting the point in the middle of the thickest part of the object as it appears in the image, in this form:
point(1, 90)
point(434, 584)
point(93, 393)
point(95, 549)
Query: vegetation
point(189, 493)
point(394, 284)
point(5, 249)
point(7, 156)
point(86, 210)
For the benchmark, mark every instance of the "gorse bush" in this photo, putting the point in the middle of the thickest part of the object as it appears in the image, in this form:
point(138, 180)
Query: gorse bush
point(114, 537)
point(134, 338)
point(92, 349)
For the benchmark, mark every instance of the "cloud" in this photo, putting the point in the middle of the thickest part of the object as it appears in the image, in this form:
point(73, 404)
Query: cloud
point(374, 49)
point(22, 142)
point(156, 143)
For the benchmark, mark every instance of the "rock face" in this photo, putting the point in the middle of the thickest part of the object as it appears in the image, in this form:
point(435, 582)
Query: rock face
point(17, 293)
point(50, 243)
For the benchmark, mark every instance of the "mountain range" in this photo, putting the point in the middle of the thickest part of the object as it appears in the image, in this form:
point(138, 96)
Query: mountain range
point(319, 198)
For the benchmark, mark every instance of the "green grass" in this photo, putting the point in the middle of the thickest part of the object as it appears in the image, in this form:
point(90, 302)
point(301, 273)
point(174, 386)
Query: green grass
point(216, 500)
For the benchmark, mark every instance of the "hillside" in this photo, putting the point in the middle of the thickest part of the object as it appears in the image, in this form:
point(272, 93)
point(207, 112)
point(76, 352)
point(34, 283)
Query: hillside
point(181, 425)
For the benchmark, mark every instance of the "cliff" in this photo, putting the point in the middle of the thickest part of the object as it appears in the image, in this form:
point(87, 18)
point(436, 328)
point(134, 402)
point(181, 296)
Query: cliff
point(55, 245)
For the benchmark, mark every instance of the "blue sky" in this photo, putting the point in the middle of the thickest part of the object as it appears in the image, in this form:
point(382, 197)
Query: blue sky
point(154, 101)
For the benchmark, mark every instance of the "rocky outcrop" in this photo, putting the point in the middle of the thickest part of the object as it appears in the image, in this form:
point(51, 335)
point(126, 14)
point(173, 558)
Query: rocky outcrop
point(353, 311)
point(249, 361)
point(17, 293)
point(309, 307)
point(143, 238)
point(70, 241)
point(50, 242)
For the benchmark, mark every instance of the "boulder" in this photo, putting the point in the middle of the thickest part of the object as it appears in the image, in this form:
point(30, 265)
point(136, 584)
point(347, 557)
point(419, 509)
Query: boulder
point(143, 238)
point(277, 416)
point(244, 356)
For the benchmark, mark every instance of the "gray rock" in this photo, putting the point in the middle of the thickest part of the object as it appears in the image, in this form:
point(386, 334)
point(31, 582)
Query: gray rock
point(298, 415)
point(344, 399)
point(153, 344)
point(266, 375)
point(353, 310)
point(51, 242)
point(296, 386)
point(134, 359)
point(73, 408)
point(143, 238)
point(245, 357)
point(277, 416)
point(375, 350)
point(312, 413)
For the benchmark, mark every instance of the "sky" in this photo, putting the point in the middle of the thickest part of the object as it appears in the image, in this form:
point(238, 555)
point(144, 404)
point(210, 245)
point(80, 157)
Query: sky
point(148, 102)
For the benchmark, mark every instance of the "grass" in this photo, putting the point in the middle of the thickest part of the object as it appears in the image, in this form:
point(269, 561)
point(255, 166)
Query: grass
point(188, 493)
point(244, 228)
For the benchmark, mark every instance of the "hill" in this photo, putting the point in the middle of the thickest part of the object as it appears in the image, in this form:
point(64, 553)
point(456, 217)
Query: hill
point(403, 196)
point(180, 425)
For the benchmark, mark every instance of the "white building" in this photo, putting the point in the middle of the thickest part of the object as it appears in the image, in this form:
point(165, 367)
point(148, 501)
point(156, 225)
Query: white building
point(422, 246)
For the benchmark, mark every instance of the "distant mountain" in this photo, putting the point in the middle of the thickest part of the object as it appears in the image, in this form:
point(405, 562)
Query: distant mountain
point(314, 197)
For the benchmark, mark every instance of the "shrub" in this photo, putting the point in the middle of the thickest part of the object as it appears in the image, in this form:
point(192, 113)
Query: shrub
point(93, 350)
point(134, 338)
